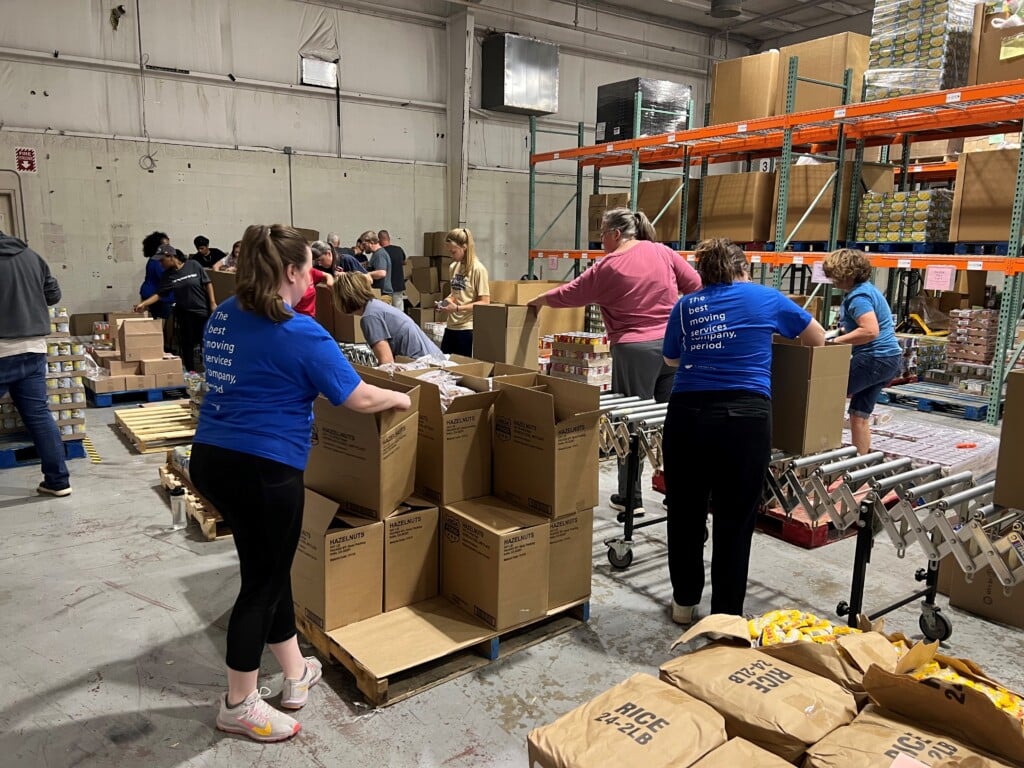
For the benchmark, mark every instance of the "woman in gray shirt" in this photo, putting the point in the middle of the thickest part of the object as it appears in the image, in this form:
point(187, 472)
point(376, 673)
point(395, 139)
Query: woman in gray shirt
point(389, 332)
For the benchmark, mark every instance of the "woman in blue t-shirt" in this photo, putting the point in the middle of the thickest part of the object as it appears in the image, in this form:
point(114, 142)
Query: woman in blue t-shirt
point(265, 365)
point(718, 432)
point(865, 323)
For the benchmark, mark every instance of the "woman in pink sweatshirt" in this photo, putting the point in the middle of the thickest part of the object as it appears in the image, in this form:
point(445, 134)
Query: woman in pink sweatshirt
point(636, 285)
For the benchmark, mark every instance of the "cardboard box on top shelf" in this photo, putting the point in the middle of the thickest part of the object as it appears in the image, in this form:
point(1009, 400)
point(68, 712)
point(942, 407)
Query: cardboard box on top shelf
point(1010, 464)
point(990, 142)
point(411, 554)
point(775, 705)
point(745, 88)
point(983, 196)
point(338, 571)
point(170, 364)
point(641, 721)
point(596, 208)
point(808, 396)
point(494, 561)
point(365, 461)
point(453, 456)
point(927, 150)
point(997, 54)
point(825, 59)
point(223, 284)
point(653, 196)
point(806, 181)
point(545, 444)
point(571, 559)
point(737, 206)
point(505, 334)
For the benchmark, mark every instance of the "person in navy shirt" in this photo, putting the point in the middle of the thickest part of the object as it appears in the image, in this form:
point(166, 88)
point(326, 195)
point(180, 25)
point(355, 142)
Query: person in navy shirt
point(866, 323)
point(265, 365)
point(717, 437)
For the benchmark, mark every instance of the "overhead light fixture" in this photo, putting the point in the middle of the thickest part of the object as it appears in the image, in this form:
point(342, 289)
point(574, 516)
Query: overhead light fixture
point(781, 24)
point(725, 9)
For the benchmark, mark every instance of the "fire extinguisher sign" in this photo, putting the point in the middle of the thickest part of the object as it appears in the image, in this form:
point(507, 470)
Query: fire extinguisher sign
point(25, 159)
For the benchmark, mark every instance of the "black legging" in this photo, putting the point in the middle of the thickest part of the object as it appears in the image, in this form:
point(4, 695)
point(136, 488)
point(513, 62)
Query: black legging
point(716, 448)
point(261, 500)
point(457, 342)
point(189, 326)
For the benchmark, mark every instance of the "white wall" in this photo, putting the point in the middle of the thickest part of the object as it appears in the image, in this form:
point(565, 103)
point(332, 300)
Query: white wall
point(91, 202)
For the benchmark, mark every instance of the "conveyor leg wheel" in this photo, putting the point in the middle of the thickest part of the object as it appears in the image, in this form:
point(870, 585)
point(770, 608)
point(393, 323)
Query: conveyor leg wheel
point(620, 553)
point(934, 625)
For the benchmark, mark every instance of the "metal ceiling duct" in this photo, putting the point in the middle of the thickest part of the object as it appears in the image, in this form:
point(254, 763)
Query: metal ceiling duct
point(725, 9)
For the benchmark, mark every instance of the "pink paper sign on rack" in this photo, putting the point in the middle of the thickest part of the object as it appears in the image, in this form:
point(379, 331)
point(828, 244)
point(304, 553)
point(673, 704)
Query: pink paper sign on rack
point(939, 278)
point(818, 273)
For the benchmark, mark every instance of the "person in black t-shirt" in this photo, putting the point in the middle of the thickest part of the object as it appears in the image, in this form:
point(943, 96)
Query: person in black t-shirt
point(204, 254)
point(397, 255)
point(194, 301)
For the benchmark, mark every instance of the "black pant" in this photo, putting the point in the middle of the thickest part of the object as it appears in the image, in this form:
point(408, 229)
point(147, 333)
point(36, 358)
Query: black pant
point(457, 342)
point(716, 446)
point(189, 327)
point(261, 500)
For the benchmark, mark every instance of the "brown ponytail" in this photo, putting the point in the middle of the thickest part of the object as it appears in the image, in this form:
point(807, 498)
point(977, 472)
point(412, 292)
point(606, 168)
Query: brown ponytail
point(262, 263)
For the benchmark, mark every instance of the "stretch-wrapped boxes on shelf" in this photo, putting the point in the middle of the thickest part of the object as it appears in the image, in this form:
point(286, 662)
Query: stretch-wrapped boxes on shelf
point(921, 216)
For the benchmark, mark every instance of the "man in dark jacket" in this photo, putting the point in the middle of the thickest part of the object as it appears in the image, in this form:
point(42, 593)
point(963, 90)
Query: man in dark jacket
point(26, 290)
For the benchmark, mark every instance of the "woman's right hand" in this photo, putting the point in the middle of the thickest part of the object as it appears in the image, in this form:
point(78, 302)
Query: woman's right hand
point(402, 402)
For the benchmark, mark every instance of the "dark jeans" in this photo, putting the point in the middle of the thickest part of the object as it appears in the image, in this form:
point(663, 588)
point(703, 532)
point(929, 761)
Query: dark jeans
point(189, 327)
point(261, 500)
point(869, 375)
point(24, 376)
point(457, 342)
point(716, 451)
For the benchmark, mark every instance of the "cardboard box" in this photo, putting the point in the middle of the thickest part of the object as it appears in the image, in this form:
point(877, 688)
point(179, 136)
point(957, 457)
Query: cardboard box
point(983, 195)
point(520, 292)
point(162, 365)
point(347, 328)
point(545, 444)
point(144, 351)
point(453, 458)
point(876, 738)
point(808, 396)
point(996, 54)
point(422, 316)
point(410, 554)
point(365, 461)
point(596, 208)
point(806, 181)
point(133, 331)
point(948, 568)
point(166, 380)
point(571, 558)
point(106, 384)
point(82, 324)
point(121, 368)
point(640, 722)
point(1010, 464)
point(426, 280)
point(745, 88)
point(139, 382)
point(737, 753)
point(991, 142)
point(325, 308)
point(737, 206)
point(420, 262)
point(104, 356)
point(775, 705)
point(653, 196)
point(494, 561)
point(338, 571)
point(223, 284)
point(440, 245)
point(927, 150)
point(825, 59)
point(985, 597)
point(505, 334)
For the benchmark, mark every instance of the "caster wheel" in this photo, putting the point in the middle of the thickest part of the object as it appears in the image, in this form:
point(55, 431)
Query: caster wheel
point(935, 626)
point(620, 518)
point(620, 562)
point(843, 609)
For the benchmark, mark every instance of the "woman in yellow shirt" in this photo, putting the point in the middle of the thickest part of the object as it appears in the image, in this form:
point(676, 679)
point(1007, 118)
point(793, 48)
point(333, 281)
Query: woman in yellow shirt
point(469, 288)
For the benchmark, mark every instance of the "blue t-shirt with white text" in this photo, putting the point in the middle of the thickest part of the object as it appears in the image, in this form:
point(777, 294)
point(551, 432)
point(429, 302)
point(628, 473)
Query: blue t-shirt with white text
point(263, 378)
point(864, 298)
point(722, 336)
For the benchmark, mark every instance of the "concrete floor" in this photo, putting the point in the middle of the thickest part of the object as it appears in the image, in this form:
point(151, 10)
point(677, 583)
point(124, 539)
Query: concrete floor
point(113, 637)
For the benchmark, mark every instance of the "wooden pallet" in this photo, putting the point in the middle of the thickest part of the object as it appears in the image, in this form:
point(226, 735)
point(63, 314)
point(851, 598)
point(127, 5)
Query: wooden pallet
point(936, 397)
point(210, 523)
point(154, 428)
point(404, 652)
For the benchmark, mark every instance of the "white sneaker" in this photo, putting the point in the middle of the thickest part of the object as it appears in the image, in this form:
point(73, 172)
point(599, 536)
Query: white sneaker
point(295, 692)
point(683, 614)
point(256, 719)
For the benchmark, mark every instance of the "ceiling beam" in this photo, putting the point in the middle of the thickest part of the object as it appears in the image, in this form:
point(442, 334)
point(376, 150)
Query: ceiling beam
point(779, 14)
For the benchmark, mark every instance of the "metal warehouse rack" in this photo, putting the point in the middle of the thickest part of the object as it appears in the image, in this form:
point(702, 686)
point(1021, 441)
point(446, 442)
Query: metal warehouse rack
point(971, 111)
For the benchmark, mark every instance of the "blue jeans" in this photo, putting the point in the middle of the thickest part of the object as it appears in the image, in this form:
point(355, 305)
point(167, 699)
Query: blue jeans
point(24, 376)
point(869, 375)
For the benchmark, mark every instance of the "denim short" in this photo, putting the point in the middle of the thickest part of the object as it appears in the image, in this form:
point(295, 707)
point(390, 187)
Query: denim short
point(868, 376)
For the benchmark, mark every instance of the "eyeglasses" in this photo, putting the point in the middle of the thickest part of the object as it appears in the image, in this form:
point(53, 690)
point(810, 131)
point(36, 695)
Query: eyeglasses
point(605, 232)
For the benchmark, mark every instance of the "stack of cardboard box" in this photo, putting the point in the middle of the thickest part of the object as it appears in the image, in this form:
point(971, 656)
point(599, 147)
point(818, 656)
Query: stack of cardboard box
point(921, 216)
point(426, 283)
point(137, 360)
point(972, 335)
point(583, 357)
point(472, 501)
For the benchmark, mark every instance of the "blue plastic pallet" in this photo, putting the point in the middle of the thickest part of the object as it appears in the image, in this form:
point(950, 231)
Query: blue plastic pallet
point(20, 452)
point(936, 398)
point(805, 246)
point(996, 248)
point(919, 248)
point(107, 399)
